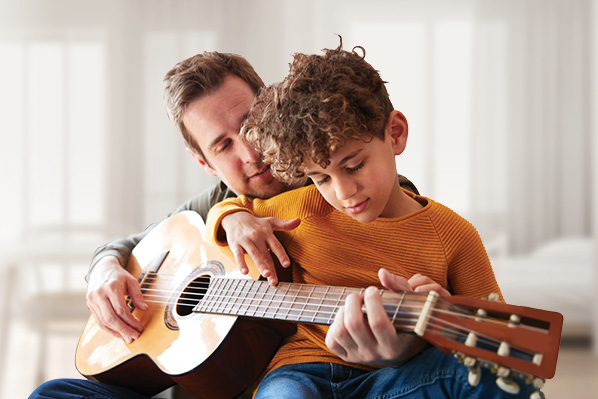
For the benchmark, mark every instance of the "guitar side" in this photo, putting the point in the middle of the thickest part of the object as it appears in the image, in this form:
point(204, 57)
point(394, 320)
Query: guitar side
point(210, 355)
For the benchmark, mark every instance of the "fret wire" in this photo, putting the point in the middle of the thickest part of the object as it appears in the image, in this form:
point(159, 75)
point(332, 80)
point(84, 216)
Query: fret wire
point(236, 296)
point(261, 301)
point(292, 302)
point(213, 296)
point(305, 303)
point(394, 316)
point(202, 304)
point(320, 304)
point(246, 301)
point(255, 291)
point(212, 300)
point(245, 297)
point(337, 305)
point(269, 290)
point(226, 290)
point(228, 285)
point(218, 303)
point(281, 301)
point(251, 295)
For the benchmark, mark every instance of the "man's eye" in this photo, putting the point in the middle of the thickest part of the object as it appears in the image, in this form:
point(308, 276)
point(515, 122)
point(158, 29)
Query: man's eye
point(355, 168)
point(223, 146)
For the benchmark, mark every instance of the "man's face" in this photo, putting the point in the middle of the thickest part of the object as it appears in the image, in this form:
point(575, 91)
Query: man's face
point(214, 121)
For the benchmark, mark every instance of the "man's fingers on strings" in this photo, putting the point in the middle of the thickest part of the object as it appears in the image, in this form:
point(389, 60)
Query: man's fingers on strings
point(136, 296)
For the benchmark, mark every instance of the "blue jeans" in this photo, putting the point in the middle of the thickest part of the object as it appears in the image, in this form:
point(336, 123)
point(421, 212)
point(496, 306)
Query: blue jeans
point(431, 375)
point(67, 388)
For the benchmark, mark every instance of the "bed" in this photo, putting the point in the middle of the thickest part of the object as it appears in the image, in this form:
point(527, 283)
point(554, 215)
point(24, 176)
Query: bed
point(558, 276)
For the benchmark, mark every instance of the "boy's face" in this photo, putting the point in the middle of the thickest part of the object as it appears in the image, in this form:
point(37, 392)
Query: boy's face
point(361, 179)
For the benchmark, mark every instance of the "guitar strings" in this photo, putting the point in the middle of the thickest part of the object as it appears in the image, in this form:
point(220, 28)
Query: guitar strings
point(267, 295)
point(202, 289)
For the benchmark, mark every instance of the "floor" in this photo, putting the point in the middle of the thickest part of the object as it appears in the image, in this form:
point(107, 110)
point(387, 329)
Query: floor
point(576, 376)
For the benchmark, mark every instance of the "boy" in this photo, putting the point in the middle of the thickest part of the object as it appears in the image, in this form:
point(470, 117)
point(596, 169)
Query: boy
point(332, 121)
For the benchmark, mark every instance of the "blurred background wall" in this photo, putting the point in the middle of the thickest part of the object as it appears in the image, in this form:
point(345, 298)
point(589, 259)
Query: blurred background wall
point(500, 97)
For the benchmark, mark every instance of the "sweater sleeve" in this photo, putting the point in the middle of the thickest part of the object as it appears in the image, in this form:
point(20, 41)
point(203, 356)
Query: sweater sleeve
point(219, 211)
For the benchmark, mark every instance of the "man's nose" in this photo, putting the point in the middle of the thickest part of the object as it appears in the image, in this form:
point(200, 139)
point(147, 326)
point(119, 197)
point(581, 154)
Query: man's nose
point(247, 153)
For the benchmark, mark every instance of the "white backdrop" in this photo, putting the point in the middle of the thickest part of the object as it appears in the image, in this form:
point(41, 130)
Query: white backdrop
point(498, 95)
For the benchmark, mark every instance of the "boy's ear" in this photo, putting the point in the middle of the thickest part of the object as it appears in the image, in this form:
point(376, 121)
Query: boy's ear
point(202, 162)
point(397, 130)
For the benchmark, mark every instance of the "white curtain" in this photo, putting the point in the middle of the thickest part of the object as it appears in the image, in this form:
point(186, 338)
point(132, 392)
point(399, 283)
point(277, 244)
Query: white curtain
point(532, 117)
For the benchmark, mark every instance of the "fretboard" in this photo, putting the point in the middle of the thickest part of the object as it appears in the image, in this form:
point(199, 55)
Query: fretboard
point(304, 303)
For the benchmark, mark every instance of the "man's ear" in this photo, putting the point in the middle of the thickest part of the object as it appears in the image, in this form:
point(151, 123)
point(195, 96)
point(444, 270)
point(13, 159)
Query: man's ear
point(202, 162)
point(397, 130)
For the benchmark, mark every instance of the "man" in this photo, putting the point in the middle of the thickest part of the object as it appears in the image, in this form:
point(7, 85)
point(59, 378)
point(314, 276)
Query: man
point(207, 98)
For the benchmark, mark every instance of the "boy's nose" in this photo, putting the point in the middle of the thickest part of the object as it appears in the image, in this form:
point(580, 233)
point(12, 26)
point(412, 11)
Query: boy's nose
point(345, 189)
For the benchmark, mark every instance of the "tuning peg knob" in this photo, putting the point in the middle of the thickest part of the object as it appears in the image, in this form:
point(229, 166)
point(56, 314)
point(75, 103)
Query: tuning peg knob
point(493, 297)
point(475, 372)
point(505, 383)
point(537, 395)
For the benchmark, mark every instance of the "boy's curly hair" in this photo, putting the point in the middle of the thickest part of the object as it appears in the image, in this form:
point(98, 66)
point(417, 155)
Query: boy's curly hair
point(325, 101)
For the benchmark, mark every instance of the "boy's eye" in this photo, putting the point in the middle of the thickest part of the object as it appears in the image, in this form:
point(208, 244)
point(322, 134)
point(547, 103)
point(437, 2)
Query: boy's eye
point(355, 168)
point(321, 181)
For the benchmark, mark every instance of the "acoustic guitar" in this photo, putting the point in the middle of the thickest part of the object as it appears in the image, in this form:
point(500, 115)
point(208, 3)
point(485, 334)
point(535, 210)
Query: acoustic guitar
point(213, 330)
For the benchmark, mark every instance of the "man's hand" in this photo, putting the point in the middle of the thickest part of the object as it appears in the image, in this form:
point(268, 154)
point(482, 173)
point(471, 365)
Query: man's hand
point(109, 284)
point(373, 339)
point(247, 234)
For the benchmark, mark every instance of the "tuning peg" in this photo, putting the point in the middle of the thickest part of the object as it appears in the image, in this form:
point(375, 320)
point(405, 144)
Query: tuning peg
point(475, 372)
point(493, 297)
point(514, 321)
point(481, 314)
point(537, 383)
point(537, 395)
point(505, 383)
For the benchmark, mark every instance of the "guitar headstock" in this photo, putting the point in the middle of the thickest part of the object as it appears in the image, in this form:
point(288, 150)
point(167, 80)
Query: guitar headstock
point(511, 341)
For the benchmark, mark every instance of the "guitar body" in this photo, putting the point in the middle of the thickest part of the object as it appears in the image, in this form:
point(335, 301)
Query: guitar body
point(210, 355)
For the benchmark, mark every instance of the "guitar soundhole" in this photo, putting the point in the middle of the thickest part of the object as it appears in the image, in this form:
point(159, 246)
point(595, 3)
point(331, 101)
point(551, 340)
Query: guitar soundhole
point(192, 295)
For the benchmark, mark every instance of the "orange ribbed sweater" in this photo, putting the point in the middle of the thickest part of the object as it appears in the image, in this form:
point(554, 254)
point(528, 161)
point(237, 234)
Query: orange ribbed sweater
point(331, 248)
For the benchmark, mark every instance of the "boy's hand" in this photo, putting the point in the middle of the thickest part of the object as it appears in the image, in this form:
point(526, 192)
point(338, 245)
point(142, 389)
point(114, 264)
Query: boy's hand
point(420, 283)
point(247, 234)
point(373, 339)
point(109, 284)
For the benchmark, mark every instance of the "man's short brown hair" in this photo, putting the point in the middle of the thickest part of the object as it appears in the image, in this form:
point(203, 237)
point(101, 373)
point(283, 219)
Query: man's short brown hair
point(323, 102)
point(198, 76)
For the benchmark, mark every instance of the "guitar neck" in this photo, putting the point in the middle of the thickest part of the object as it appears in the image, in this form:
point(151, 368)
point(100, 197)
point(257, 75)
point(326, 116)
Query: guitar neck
point(303, 303)
point(524, 339)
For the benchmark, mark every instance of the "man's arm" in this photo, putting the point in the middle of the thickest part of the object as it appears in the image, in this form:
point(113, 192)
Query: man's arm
point(109, 283)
